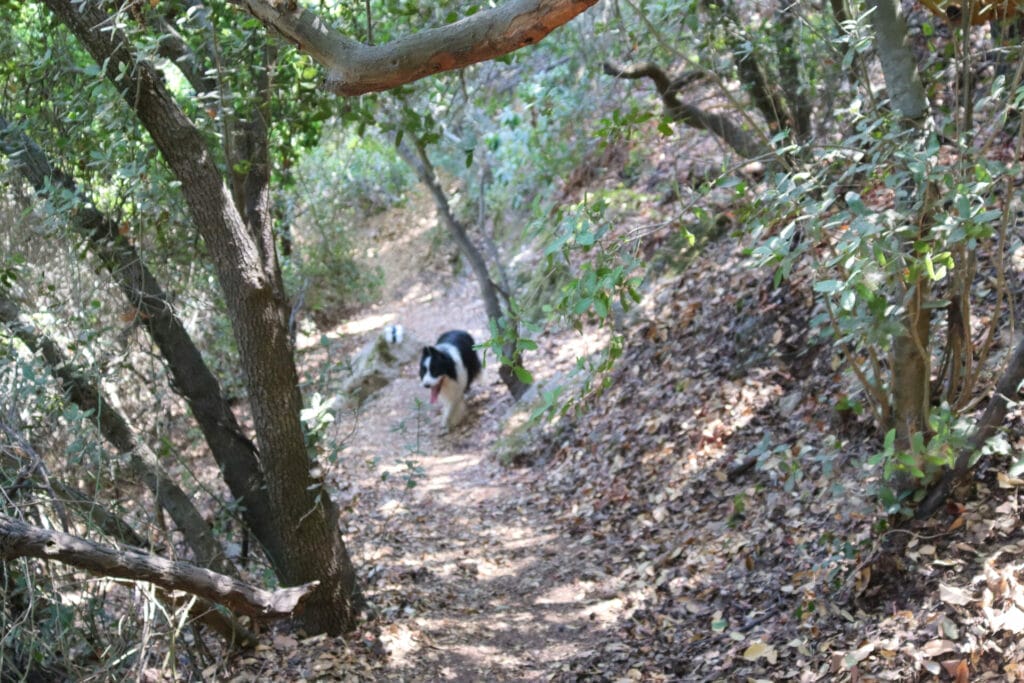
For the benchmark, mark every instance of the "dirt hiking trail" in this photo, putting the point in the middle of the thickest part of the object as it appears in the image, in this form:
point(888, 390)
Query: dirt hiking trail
point(710, 517)
point(470, 573)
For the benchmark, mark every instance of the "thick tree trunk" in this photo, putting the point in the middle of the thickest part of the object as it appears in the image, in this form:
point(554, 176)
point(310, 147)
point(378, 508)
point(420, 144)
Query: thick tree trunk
point(488, 290)
point(308, 546)
point(902, 79)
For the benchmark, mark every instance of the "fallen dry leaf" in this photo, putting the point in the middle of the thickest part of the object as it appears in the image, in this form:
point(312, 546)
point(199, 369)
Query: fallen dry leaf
point(953, 595)
point(957, 669)
point(851, 659)
point(939, 646)
point(758, 649)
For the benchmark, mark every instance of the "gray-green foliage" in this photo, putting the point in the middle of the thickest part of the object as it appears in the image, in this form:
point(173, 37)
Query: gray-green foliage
point(888, 218)
point(43, 631)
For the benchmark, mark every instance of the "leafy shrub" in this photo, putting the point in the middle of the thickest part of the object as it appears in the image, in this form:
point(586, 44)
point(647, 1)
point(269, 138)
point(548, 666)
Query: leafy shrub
point(343, 181)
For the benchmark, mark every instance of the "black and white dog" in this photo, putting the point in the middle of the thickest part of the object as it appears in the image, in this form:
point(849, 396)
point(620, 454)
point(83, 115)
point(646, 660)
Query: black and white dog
point(448, 368)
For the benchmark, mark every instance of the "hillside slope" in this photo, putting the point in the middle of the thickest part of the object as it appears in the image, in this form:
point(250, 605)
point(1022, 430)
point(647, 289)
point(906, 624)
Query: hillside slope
point(708, 517)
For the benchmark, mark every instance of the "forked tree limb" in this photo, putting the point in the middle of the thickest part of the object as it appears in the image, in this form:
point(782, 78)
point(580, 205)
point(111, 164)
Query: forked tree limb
point(355, 68)
point(18, 539)
point(742, 142)
point(1006, 390)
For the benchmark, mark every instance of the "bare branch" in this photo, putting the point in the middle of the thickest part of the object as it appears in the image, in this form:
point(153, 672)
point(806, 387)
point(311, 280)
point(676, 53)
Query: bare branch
point(741, 142)
point(355, 68)
point(420, 162)
point(18, 539)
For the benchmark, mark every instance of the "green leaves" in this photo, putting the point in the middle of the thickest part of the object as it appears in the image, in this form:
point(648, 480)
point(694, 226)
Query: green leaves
point(316, 419)
point(524, 375)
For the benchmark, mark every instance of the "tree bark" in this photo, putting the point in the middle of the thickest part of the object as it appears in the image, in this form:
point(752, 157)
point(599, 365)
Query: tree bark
point(355, 68)
point(898, 65)
point(911, 371)
point(233, 451)
point(18, 539)
point(307, 545)
point(798, 106)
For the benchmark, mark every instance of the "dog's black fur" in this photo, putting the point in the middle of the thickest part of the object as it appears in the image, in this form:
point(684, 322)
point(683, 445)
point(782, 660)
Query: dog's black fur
point(449, 368)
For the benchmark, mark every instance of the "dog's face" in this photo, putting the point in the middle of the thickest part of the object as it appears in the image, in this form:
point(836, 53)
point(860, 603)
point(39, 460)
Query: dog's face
point(435, 368)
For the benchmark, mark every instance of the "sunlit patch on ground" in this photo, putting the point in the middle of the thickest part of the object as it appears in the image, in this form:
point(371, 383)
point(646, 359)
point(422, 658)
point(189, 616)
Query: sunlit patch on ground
point(367, 324)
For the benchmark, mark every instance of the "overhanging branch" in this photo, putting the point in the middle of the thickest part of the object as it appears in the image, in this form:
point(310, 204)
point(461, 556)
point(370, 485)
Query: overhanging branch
point(354, 68)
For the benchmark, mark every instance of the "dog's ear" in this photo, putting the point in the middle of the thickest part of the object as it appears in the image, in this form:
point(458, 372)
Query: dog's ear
point(426, 352)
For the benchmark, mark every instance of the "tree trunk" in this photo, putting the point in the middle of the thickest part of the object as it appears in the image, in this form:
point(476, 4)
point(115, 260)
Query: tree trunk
point(308, 545)
point(799, 107)
point(911, 372)
point(752, 73)
point(898, 65)
point(488, 290)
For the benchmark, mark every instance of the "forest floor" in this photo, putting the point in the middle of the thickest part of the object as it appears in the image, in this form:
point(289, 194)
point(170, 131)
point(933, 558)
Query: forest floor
point(709, 517)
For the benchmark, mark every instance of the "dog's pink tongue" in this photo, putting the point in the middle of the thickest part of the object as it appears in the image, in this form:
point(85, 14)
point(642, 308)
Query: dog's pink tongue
point(435, 391)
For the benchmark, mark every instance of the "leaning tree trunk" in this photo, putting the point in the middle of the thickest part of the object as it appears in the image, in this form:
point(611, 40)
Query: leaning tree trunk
point(308, 545)
point(488, 290)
